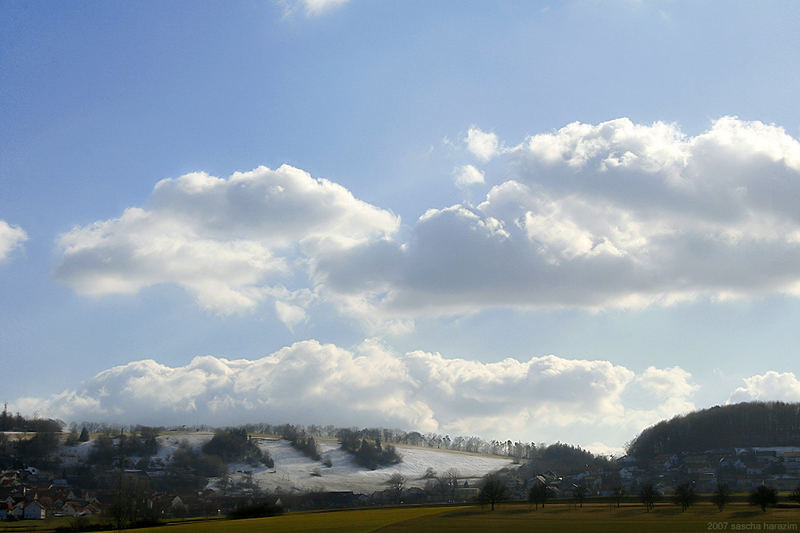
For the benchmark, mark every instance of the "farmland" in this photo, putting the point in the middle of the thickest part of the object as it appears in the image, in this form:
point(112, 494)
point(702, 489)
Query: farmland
point(595, 518)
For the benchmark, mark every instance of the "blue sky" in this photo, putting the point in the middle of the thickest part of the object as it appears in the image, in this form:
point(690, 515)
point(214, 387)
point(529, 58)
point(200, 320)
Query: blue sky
point(101, 101)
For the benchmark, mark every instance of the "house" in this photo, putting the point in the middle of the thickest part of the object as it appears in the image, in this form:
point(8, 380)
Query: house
point(77, 508)
point(34, 511)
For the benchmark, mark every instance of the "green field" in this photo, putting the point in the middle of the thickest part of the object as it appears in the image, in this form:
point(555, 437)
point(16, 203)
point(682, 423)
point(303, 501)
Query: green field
point(511, 518)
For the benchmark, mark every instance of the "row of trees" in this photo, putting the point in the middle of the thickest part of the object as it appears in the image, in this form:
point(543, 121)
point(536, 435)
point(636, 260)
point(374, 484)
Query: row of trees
point(306, 444)
point(685, 496)
point(507, 448)
point(494, 489)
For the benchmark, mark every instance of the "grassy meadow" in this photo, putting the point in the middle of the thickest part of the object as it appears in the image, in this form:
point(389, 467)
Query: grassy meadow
point(509, 518)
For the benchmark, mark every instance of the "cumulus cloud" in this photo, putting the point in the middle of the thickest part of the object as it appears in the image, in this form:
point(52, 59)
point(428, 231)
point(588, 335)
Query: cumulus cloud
point(612, 215)
point(616, 214)
point(483, 145)
point(222, 240)
point(543, 398)
point(10, 238)
point(667, 382)
point(770, 386)
point(467, 175)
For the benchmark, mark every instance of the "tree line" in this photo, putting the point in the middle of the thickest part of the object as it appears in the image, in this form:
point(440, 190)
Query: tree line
point(504, 448)
point(17, 422)
point(742, 425)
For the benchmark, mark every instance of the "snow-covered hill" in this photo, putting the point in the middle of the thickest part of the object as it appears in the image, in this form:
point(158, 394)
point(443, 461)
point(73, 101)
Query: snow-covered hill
point(293, 470)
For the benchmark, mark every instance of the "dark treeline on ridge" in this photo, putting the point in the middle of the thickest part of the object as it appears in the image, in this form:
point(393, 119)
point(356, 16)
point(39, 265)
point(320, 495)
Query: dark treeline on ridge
point(742, 425)
point(9, 422)
point(560, 457)
point(299, 433)
point(504, 448)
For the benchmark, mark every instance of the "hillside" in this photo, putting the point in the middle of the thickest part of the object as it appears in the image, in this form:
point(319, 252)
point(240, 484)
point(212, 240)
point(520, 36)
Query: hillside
point(742, 425)
point(295, 471)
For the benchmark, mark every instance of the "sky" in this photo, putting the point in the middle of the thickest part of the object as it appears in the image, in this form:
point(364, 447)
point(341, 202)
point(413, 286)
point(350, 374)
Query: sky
point(537, 221)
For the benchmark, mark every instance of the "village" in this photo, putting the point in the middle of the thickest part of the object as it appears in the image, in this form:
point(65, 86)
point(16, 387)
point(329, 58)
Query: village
point(31, 493)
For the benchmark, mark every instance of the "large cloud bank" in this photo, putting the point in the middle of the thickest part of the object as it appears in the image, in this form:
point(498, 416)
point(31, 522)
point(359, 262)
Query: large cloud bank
point(10, 237)
point(616, 214)
point(542, 399)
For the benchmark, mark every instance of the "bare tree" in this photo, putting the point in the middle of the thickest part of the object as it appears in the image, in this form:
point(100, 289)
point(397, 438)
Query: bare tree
point(449, 483)
point(579, 493)
point(763, 496)
point(618, 493)
point(795, 496)
point(538, 494)
point(397, 483)
point(648, 496)
point(721, 496)
point(684, 496)
point(493, 489)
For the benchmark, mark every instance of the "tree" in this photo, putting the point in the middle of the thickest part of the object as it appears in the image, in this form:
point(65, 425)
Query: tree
point(579, 493)
point(131, 502)
point(618, 493)
point(449, 484)
point(233, 445)
point(493, 489)
point(538, 494)
point(795, 496)
point(84, 436)
point(72, 437)
point(148, 439)
point(763, 496)
point(721, 496)
point(648, 496)
point(397, 483)
point(684, 496)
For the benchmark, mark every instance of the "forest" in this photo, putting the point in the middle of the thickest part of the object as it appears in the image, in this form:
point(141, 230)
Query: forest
point(742, 425)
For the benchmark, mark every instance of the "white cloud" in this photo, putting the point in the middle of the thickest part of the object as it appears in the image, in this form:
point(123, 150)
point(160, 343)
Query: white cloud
point(770, 386)
point(467, 175)
point(667, 382)
point(544, 398)
point(483, 145)
point(10, 238)
point(310, 7)
point(315, 7)
point(289, 314)
point(613, 215)
point(594, 216)
point(222, 240)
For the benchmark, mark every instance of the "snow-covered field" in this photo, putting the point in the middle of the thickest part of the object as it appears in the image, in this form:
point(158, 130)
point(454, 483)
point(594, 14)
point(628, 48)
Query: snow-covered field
point(295, 471)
